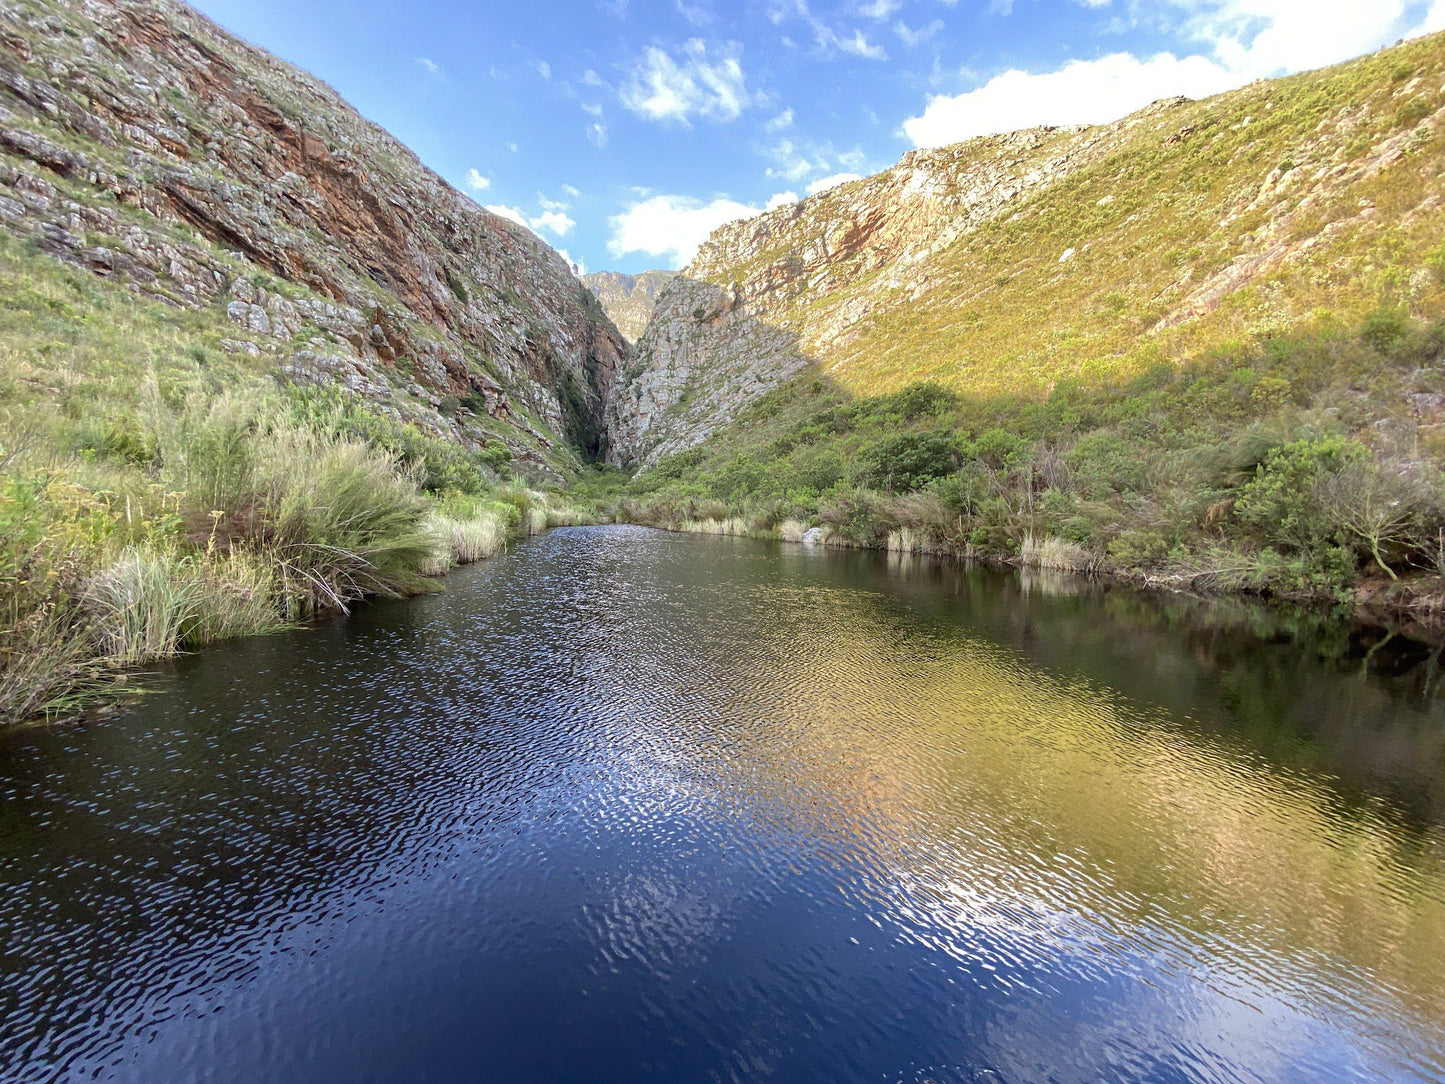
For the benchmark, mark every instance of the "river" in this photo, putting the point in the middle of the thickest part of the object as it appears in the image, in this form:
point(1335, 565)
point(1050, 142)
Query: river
point(631, 806)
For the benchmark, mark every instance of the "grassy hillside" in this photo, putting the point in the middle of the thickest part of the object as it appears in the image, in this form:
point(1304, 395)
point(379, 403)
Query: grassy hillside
point(256, 361)
point(1302, 464)
point(1010, 263)
point(1200, 347)
point(1204, 223)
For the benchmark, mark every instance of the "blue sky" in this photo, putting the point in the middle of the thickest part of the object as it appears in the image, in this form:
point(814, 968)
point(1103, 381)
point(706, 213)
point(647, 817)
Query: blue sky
point(623, 131)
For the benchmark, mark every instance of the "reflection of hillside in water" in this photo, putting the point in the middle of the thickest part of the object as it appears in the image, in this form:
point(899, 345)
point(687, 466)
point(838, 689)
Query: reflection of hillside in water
point(985, 792)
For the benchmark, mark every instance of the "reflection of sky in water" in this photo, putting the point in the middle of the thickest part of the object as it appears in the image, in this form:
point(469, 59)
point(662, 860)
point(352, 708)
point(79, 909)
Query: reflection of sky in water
point(628, 806)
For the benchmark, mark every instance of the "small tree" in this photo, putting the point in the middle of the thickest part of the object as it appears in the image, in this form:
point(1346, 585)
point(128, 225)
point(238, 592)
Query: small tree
point(1282, 500)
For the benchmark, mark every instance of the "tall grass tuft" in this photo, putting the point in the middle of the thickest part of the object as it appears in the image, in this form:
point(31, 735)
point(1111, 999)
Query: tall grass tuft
point(237, 596)
point(143, 604)
point(730, 525)
point(905, 540)
point(792, 530)
point(462, 541)
point(1057, 555)
point(48, 665)
point(344, 522)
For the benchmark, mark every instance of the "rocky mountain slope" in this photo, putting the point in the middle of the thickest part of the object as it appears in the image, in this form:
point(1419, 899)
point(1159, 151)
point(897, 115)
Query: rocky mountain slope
point(628, 299)
point(142, 142)
point(1014, 262)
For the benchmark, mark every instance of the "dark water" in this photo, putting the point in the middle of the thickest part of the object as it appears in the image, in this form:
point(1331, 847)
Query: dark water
point(626, 806)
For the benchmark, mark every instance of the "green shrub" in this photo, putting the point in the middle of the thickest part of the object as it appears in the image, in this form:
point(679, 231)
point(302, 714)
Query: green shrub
point(908, 461)
point(1282, 501)
point(496, 455)
point(1384, 329)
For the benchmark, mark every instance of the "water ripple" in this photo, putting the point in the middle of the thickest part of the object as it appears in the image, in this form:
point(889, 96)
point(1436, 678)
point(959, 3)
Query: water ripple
point(625, 805)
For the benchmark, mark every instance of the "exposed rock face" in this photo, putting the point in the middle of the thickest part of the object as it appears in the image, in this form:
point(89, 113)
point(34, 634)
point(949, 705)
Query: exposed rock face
point(628, 299)
point(703, 355)
point(726, 330)
point(143, 142)
point(1006, 263)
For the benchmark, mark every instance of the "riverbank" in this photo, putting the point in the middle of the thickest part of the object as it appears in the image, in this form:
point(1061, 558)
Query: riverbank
point(234, 518)
point(1300, 465)
point(1413, 605)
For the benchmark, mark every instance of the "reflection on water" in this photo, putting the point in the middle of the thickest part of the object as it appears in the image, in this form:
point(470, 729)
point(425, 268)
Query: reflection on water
point(632, 806)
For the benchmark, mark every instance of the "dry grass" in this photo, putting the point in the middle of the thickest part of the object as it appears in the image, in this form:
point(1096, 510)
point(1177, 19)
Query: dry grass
point(906, 540)
point(1057, 555)
point(463, 541)
point(731, 526)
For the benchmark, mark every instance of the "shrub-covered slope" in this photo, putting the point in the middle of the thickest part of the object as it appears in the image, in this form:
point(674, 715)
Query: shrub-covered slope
point(1007, 264)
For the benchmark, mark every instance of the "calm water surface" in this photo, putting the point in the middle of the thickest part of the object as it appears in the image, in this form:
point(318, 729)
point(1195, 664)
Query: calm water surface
point(626, 806)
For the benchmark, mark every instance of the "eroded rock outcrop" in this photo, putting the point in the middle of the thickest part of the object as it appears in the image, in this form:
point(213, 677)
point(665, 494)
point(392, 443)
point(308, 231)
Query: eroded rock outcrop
point(141, 141)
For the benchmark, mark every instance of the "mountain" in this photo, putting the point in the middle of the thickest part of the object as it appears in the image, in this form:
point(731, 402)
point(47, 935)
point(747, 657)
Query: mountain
point(1012, 263)
point(143, 143)
point(628, 299)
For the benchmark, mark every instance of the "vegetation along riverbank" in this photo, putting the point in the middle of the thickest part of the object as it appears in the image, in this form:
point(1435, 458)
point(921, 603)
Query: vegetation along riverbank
point(259, 363)
point(1281, 466)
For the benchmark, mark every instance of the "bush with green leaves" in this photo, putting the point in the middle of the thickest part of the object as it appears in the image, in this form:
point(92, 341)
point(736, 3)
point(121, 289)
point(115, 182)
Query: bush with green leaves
point(909, 461)
point(1282, 501)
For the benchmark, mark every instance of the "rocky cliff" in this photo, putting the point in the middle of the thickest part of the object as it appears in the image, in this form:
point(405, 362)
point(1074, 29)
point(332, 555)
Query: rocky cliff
point(1009, 263)
point(141, 141)
point(628, 299)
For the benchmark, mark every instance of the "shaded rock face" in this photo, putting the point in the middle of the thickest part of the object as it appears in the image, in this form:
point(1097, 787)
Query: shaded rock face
point(628, 299)
point(703, 356)
point(141, 141)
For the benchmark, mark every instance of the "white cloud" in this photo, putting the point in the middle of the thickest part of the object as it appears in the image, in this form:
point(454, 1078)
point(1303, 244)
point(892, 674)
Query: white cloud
point(879, 9)
point(701, 82)
point(696, 14)
point(822, 184)
point(672, 227)
point(429, 64)
point(830, 41)
point(1243, 39)
point(860, 46)
point(572, 190)
point(476, 182)
point(578, 267)
point(552, 204)
point(794, 161)
point(597, 134)
point(553, 221)
point(543, 69)
point(781, 199)
point(914, 38)
point(1259, 38)
point(1081, 92)
point(785, 119)
point(512, 214)
point(1434, 20)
